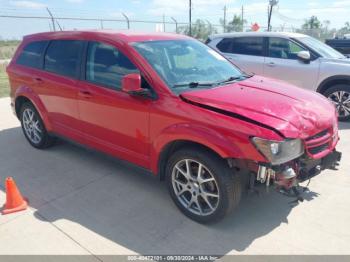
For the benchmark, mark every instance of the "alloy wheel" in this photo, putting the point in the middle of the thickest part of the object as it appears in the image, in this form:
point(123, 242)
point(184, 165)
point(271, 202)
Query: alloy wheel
point(32, 126)
point(195, 187)
point(341, 100)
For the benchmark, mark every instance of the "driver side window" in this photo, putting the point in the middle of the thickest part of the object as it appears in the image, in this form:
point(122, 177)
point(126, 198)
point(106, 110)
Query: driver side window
point(284, 48)
point(106, 65)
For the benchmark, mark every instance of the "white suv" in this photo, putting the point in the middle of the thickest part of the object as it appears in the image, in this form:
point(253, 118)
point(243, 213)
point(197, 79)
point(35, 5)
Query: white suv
point(295, 58)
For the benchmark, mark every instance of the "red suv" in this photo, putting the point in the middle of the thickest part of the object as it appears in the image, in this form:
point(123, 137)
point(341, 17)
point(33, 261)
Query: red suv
point(175, 107)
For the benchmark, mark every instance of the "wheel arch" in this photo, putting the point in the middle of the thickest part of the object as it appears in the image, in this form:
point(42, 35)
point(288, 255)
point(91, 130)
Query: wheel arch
point(25, 94)
point(331, 81)
point(176, 145)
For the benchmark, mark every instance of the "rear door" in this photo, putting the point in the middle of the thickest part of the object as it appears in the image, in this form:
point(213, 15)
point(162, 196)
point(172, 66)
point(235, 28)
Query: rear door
point(58, 85)
point(282, 63)
point(245, 52)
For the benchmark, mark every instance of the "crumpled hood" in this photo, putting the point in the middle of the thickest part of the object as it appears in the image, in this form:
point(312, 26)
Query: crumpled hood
point(292, 111)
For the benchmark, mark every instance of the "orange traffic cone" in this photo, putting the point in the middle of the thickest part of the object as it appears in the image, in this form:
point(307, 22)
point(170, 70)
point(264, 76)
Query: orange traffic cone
point(14, 200)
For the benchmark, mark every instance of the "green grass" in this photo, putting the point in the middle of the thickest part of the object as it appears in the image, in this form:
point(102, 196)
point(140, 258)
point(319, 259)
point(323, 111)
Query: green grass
point(4, 82)
point(8, 48)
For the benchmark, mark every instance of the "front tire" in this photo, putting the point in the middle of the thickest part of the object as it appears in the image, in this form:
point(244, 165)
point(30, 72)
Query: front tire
point(33, 127)
point(202, 185)
point(339, 95)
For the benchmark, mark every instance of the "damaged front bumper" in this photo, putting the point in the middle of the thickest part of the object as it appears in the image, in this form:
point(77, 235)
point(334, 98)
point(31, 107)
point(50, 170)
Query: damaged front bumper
point(288, 175)
point(313, 167)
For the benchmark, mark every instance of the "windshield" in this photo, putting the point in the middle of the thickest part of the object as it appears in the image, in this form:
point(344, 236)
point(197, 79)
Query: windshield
point(184, 64)
point(321, 48)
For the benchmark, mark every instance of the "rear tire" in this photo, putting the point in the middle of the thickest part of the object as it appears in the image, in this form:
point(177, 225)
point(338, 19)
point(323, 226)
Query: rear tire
point(33, 127)
point(207, 197)
point(339, 95)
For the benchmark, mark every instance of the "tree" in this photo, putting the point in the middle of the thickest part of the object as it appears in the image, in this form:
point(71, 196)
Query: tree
point(200, 29)
point(235, 25)
point(311, 23)
point(344, 30)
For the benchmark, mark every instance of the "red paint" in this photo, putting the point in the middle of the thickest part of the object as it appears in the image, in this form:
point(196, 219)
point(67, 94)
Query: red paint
point(138, 129)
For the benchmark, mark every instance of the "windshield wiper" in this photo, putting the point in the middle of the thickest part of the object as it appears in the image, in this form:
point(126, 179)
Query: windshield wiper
point(234, 78)
point(193, 84)
point(230, 79)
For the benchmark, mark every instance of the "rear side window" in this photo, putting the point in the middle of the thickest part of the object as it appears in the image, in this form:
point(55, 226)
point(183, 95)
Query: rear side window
point(63, 57)
point(106, 65)
point(248, 46)
point(31, 54)
point(225, 45)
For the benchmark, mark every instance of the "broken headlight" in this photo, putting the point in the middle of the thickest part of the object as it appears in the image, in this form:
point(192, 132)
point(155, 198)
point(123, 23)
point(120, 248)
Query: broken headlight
point(279, 152)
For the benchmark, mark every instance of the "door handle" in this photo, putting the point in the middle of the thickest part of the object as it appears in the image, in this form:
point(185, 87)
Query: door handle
point(85, 94)
point(38, 79)
point(271, 64)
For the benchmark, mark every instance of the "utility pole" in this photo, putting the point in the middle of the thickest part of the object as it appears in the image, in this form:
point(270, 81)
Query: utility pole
point(163, 23)
point(190, 17)
point(242, 17)
point(224, 18)
point(52, 19)
point(272, 3)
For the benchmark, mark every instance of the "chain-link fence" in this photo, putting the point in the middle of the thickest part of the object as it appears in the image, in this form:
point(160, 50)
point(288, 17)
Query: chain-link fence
point(201, 28)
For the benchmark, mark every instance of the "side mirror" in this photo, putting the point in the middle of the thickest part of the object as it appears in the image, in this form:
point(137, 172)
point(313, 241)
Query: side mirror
point(304, 56)
point(131, 84)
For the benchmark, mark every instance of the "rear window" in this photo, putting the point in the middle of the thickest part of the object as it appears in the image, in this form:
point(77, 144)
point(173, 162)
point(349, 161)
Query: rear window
point(31, 54)
point(248, 46)
point(225, 45)
point(63, 57)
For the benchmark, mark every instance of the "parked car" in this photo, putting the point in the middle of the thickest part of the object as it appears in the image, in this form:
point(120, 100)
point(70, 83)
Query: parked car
point(295, 58)
point(342, 45)
point(175, 107)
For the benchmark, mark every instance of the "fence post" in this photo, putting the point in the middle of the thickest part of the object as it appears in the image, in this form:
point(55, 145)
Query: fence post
point(210, 27)
point(52, 19)
point(127, 20)
point(172, 18)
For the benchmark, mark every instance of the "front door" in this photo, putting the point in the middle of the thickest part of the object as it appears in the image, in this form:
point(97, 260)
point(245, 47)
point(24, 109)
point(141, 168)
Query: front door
point(112, 120)
point(282, 63)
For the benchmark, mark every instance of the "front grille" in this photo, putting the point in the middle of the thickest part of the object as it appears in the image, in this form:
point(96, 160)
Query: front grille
point(318, 135)
point(318, 149)
point(318, 143)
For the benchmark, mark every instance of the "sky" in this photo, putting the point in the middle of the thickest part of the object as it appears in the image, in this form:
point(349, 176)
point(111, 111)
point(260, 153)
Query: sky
point(288, 14)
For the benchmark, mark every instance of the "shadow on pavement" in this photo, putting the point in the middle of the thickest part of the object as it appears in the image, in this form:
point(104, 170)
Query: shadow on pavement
point(120, 203)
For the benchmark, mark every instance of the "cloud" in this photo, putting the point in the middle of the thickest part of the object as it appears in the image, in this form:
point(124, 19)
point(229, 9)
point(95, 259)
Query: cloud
point(342, 3)
point(28, 4)
point(75, 1)
point(173, 7)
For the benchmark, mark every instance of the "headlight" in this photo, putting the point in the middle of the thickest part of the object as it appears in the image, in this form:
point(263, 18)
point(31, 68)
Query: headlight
point(279, 152)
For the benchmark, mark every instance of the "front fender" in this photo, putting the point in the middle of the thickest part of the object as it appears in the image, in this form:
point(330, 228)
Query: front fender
point(27, 92)
point(222, 144)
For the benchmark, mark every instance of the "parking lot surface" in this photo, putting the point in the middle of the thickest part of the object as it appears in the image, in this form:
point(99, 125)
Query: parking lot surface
point(83, 202)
